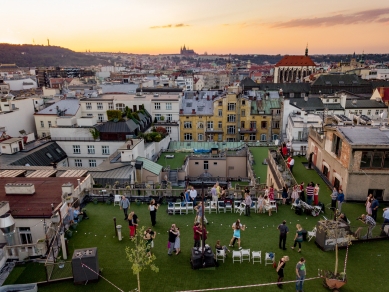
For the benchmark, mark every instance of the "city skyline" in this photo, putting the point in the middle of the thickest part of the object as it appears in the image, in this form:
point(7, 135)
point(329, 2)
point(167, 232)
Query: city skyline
point(220, 27)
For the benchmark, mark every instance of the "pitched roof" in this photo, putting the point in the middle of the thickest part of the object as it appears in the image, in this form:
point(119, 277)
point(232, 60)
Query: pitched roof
point(295, 61)
point(248, 83)
point(340, 80)
point(384, 92)
point(364, 103)
point(128, 126)
point(312, 104)
point(365, 136)
point(42, 156)
point(150, 166)
point(379, 83)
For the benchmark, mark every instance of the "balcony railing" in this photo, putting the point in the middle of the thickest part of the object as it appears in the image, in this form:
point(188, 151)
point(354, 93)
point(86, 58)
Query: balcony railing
point(23, 251)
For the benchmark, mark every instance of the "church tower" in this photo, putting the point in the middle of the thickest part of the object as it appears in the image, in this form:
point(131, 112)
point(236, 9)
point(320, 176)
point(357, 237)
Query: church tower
point(306, 51)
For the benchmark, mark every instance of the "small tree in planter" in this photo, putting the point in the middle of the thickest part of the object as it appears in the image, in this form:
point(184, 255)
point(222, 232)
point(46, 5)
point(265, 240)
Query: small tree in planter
point(139, 256)
point(335, 280)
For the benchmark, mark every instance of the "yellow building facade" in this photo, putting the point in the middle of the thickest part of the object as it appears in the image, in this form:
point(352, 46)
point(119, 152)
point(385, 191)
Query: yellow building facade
point(231, 117)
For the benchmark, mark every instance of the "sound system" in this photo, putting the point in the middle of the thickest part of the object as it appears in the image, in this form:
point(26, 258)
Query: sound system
point(85, 265)
point(197, 261)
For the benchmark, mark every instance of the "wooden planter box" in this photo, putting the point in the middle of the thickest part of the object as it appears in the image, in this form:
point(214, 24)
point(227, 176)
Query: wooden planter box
point(334, 283)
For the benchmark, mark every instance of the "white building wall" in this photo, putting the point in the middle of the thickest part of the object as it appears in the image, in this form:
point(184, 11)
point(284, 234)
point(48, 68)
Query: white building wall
point(35, 225)
point(18, 84)
point(23, 115)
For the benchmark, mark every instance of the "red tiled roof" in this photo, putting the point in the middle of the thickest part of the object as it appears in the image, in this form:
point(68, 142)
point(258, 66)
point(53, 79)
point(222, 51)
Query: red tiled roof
point(295, 61)
point(48, 190)
point(384, 92)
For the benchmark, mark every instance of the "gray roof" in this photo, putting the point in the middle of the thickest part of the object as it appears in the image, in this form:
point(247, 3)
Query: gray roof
point(312, 104)
point(128, 126)
point(286, 87)
point(367, 103)
point(340, 80)
point(198, 103)
point(379, 83)
point(365, 136)
point(38, 156)
point(124, 88)
point(70, 105)
point(150, 166)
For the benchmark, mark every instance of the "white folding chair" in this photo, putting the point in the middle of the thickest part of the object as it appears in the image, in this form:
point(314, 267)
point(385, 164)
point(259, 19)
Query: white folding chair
point(269, 258)
point(236, 256)
point(312, 234)
point(228, 206)
point(273, 205)
point(116, 201)
point(245, 254)
point(256, 256)
point(220, 254)
point(236, 206)
point(221, 206)
point(241, 209)
point(189, 207)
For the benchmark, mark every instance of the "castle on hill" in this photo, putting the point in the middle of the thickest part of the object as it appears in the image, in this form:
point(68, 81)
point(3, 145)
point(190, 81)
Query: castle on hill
point(187, 52)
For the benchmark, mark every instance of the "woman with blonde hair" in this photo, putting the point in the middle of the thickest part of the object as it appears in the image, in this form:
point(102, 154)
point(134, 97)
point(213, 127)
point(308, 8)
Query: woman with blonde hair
point(298, 238)
point(280, 270)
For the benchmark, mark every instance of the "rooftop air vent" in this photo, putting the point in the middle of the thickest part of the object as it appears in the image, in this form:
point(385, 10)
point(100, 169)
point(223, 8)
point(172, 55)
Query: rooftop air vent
point(19, 189)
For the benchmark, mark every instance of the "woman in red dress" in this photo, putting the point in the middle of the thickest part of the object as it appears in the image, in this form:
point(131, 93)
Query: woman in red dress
point(271, 193)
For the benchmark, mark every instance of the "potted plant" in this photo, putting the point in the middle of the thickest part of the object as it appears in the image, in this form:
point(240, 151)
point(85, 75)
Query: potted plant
point(108, 201)
point(95, 133)
point(73, 226)
point(95, 201)
point(69, 199)
point(137, 202)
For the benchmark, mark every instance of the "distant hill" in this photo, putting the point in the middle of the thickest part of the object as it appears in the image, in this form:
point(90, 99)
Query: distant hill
point(37, 55)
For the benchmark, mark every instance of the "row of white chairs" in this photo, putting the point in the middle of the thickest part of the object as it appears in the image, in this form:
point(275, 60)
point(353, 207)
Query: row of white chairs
point(180, 207)
point(237, 207)
point(245, 255)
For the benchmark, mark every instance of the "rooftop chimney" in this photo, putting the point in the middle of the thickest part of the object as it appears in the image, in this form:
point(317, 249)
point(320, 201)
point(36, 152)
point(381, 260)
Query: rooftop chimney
point(181, 111)
point(193, 111)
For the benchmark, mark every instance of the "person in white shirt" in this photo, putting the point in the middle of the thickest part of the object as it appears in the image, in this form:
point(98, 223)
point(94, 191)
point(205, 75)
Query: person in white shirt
point(193, 195)
point(289, 147)
point(291, 163)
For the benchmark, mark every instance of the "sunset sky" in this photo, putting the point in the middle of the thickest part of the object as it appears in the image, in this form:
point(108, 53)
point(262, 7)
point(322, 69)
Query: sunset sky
point(212, 26)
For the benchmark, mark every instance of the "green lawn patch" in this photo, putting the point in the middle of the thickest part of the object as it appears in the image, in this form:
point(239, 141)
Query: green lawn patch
point(175, 162)
point(260, 154)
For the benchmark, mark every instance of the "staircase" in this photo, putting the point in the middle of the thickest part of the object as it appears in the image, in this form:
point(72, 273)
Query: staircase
point(173, 177)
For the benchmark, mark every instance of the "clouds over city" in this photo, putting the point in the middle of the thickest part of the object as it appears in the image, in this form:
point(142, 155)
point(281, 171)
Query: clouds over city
point(179, 25)
point(365, 16)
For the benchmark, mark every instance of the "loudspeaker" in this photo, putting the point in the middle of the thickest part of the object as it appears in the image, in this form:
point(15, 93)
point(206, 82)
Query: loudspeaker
point(196, 259)
point(298, 211)
point(87, 257)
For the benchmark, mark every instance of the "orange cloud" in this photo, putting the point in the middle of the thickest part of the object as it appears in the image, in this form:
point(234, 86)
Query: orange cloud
point(170, 26)
point(366, 16)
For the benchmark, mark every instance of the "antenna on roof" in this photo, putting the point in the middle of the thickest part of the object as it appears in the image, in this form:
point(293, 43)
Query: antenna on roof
point(306, 50)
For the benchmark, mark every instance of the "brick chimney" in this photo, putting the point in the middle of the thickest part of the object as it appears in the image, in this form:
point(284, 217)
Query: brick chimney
point(193, 111)
point(181, 111)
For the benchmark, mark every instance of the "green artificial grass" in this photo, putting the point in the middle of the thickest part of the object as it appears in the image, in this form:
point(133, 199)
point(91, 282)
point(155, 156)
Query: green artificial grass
point(260, 154)
point(366, 266)
point(175, 162)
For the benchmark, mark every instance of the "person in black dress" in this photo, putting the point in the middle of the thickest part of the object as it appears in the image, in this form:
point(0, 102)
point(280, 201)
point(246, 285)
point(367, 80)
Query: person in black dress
point(153, 207)
point(280, 270)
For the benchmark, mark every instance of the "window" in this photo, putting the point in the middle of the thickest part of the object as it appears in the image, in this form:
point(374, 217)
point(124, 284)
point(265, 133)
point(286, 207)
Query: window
point(49, 155)
point(25, 235)
point(49, 123)
point(99, 105)
point(168, 106)
point(253, 137)
point(243, 113)
point(275, 137)
point(168, 129)
point(230, 129)
point(278, 112)
point(188, 125)
point(92, 163)
point(220, 103)
point(201, 125)
point(169, 117)
point(276, 125)
point(336, 145)
point(91, 149)
point(209, 125)
point(220, 113)
point(42, 124)
point(58, 150)
point(88, 106)
point(100, 117)
point(263, 138)
point(187, 136)
point(253, 125)
point(374, 159)
point(205, 165)
point(89, 115)
point(157, 106)
point(376, 112)
point(78, 162)
point(120, 107)
point(241, 137)
point(263, 125)
point(230, 139)
point(220, 137)
point(243, 102)
point(360, 112)
point(158, 117)
point(76, 149)
point(105, 150)
point(231, 118)
point(200, 137)
point(43, 135)
point(220, 125)
point(110, 106)
point(335, 100)
point(231, 106)
point(368, 112)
